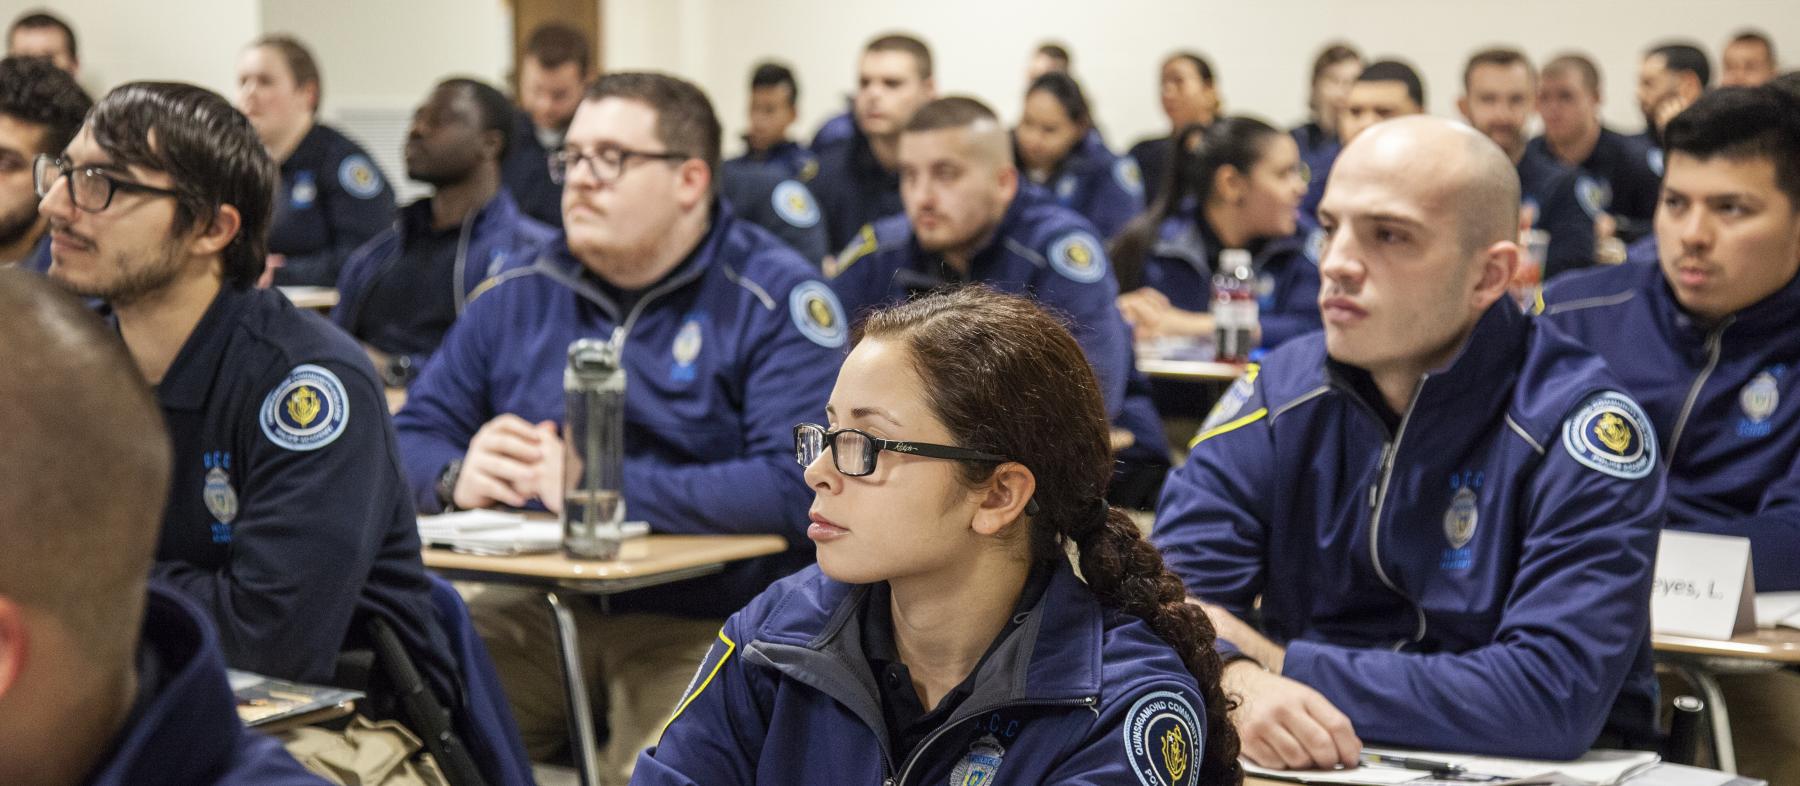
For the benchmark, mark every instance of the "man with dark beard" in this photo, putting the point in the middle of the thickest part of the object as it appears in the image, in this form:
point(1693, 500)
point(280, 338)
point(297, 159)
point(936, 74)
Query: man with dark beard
point(41, 108)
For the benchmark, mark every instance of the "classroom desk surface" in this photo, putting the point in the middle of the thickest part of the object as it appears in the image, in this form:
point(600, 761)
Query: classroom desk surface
point(1189, 370)
point(642, 562)
point(1776, 645)
point(315, 298)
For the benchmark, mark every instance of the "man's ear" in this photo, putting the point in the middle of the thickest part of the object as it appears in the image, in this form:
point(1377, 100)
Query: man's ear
point(1009, 491)
point(1495, 268)
point(693, 179)
point(217, 234)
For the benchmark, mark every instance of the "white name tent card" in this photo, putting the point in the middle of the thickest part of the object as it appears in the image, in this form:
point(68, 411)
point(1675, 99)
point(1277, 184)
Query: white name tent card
point(1704, 586)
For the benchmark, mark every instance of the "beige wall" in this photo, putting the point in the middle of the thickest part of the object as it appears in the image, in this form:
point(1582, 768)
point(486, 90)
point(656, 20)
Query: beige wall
point(176, 40)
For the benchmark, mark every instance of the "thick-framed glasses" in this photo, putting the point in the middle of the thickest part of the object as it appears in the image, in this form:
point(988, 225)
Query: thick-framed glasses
point(854, 452)
point(90, 188)
point(606, 164)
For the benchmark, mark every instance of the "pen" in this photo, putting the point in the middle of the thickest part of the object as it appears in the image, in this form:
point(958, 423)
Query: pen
point(1432, 766)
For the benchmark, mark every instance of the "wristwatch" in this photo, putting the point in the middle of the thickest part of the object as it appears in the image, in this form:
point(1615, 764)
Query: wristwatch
point(446, 485)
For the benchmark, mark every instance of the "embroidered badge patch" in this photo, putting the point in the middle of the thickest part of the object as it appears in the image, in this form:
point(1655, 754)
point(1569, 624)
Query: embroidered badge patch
point(818, 314)
point(1608, 433)
point(980, 765)
point(1162, 739)
point(1461, 517)
point(685, 348)
point(307, 411)
point(358, 177)
point(1125, 172)
point(795, 205)
point(1078, 256)
point(1594, 195)
point(1759, 399)
point(303, 193)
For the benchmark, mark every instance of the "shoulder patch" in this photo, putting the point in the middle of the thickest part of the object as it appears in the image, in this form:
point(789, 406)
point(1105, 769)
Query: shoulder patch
point(795, 204)
point(818, 314)
point(1126, 172)
point(864, 245)
point(307, 411)
point(1078, 256)
point(301, 196)
point(1163, 740)
point(808, 169)
point(1315, 245)
point(1230, 404)
point(715, 659)
point(1654, 159)
point(1609, 433)
point(1593, 195)
point(359, 177)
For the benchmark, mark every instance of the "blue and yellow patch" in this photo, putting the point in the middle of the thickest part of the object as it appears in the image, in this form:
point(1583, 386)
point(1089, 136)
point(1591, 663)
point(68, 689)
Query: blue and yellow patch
point(710, 666)
point(795, 205)
point(1125, 172)
point(686, 348)
point(818, 314)
point(359, 177)
point(1758, 400)
point(1162, 740)
point(981, 764)
point(1078, 256)
point(1608, 433)
point(307, 411)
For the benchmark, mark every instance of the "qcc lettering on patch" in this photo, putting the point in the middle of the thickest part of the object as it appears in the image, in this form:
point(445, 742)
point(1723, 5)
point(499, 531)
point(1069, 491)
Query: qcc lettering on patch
point(980, 765)
point(358, 177)
point(1162, 740)
point(307, 411)
point(1125, 171)
point(1078, 256)
point(1595, 196)
point(1608, 433)
point(795, 204)
point(818, 314)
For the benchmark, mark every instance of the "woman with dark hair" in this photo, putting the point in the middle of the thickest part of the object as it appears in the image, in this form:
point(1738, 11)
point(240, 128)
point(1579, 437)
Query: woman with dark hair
point(1190, 96)
point(943, 636)
point(1239, 187)
point(1057, 148)
point(1333, 72)
point(332, 197)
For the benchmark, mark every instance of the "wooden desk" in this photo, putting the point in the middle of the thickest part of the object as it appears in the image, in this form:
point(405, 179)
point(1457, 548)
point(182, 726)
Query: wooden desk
point(1189, 370)
point(643, 562)
point(315, 298)
point(1699, 660)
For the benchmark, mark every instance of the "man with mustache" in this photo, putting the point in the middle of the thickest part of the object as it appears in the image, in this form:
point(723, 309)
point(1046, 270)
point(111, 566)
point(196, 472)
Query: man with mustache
point(1706, 339)
point(41, 108)
point(1499, 97)
point(1448, 510)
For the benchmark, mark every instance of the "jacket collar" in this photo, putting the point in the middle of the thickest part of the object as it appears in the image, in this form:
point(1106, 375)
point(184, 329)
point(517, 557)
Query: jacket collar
point(498, 213)
point(1476, 380)
point(1771, 317)
point(190, 378)
point(560, 264)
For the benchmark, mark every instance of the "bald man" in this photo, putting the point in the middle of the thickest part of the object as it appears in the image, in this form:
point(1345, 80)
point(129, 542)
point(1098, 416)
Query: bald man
point(970, 217)
point(1448, 509)
point(87, 465)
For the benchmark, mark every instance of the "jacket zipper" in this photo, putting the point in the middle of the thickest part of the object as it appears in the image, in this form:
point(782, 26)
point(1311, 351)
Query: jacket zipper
point(912, 759)
point(1714, 344)
point(1378, 501)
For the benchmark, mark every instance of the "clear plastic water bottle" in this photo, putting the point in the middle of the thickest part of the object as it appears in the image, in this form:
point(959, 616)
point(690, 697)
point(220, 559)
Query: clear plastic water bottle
point(593, 508)
point(1234, 309)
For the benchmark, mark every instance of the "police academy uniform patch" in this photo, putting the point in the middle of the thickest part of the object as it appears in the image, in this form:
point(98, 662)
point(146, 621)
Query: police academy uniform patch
point(303, 193)
point(982, 762)
point(220, 498)
point(795, 205)
point(1161, 739)
point(685, 348)
point(1758, 399)
point(1461, 517)
point(358, 177)
point(1608, 433)
point(818, 314)
point(1594, 196)
point(1065, 187)
point(307, 411)
point(1078, 256)
point(1125, 171)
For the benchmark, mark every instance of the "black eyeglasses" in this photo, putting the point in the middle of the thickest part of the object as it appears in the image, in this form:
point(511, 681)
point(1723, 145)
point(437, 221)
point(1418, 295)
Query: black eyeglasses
point(90, 188)
point(606, 164)
point(853, 452)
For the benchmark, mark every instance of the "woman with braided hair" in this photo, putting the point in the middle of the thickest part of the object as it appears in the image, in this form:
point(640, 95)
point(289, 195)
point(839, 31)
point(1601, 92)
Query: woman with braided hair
point(943, 636)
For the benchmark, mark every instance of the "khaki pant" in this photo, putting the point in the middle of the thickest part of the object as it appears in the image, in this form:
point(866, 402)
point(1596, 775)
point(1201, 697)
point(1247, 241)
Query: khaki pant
point(636, 667)
point(365, 753)
point(1764, 710)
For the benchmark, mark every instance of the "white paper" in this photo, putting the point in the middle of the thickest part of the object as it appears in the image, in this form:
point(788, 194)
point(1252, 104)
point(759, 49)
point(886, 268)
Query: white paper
point(1778, 608)
point(1703, 586)
point(1600, 767)
point(501, 532)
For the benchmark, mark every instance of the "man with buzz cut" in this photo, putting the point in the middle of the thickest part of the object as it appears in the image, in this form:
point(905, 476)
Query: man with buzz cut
point(1707, 340)
point(970, 217)
point(1568, 99)
point(858, 178)
point(1448, 510)
point(727, 338)
point(287, 519)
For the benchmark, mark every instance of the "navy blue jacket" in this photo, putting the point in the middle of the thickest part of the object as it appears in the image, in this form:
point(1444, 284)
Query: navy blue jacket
point(287, 518)
point(332, 199)
point(722, 357)
point(1318, 151)
point(786, 157)
point(1473, 578)
point(1629, 188)
point(1077, 693)
point(526, 173)
point(490, 239)
point(780, 204)
point(837, 129)
point(853, 189)
point(184, 729)
point(1104, 188)
point(1153, 157)
point(1566, 202)
point(1186, 254)
point(1725, 402)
